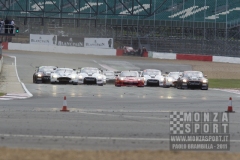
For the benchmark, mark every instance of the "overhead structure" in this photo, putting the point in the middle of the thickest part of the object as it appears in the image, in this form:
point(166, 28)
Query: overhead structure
point(212, 26)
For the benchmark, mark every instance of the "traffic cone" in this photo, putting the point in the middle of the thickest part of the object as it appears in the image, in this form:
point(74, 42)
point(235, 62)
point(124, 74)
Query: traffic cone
point(230, 108)
point(64, 108)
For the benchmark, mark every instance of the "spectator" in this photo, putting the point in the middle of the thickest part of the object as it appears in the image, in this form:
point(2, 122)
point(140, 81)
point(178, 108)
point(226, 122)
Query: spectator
point(12, 24)
point(6, 25)
point(139, 52)
point(110, 43)
point(1, 25)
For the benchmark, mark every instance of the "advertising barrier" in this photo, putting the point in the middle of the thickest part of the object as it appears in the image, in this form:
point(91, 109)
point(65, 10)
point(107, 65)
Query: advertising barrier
point(61, 49)
point(98, 43)
point(43, 39)
point(70, 41)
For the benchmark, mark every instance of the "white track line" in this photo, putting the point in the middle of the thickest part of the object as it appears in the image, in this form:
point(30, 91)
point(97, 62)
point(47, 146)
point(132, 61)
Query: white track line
point(234, 91)
point(23, 85)
point(105, 66)
point(82, 137)
point(124, 116)
point(90, 138)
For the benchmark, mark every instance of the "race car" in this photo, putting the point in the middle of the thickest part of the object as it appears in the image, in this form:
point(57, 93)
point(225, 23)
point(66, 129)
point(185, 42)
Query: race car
point(192, 79)
point(130, 51)
point(64, 75)
point(129, 78)
point(89, 75)
point(42, 74)
point(153, 77)
point(172, 78)
point(110, 76)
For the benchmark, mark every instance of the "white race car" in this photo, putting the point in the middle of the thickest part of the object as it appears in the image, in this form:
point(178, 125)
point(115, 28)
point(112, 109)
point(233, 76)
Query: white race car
point(89, 75)
point(172, 78)
point(152, 77)
point(64, 75)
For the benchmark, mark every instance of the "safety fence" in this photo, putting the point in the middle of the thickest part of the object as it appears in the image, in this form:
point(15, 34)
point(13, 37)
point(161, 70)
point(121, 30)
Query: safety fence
point(1, 58)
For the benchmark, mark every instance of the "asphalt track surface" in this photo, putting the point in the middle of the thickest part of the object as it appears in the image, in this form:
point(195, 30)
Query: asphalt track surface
point(102, 117)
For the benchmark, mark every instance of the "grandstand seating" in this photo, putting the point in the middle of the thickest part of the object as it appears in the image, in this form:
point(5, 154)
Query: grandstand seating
point(171, 10)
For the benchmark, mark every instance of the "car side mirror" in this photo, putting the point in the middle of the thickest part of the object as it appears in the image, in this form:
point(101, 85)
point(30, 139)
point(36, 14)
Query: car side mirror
point(205, 76)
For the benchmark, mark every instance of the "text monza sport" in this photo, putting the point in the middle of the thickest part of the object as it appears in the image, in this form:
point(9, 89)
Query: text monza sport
point(205, 122)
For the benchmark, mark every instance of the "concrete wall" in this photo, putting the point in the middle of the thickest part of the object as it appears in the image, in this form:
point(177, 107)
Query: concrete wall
point(113, 52)
point(161, 55)
point(1, 59)
point(226, 59)
point(182, 56)
point(61, 49)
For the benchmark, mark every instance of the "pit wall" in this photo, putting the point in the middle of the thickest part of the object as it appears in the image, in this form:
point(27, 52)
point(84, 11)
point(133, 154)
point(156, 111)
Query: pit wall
point(116, 52)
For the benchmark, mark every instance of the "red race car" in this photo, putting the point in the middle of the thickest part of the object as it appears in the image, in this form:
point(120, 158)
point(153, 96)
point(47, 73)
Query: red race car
point(129, 78)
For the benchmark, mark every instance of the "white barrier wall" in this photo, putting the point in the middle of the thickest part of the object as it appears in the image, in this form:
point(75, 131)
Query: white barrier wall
point(1, 63)
point(226, 59)
point(164, 55)
point(61, 49)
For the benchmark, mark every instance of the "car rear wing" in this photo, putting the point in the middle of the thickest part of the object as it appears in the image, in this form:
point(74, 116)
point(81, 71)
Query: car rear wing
point(117, 73)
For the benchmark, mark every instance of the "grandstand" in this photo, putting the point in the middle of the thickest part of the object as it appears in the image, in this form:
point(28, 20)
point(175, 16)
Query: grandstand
point(211, 26)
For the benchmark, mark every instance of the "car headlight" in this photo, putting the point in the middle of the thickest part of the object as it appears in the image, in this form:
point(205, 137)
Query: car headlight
point(205, 81)
point(162, 79)
point(121, 78)
point(170, 79)
point(39, 75)
point(99, 77)
point(73, 76)
point(80, 77)
point(55, 76)
point(184, 80)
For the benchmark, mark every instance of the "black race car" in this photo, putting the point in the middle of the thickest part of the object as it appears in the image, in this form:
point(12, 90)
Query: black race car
point(192, 79)
point(42, 74)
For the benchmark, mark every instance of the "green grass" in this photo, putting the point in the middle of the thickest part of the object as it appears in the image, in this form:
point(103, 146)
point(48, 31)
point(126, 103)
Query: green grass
point(224, 83)
point(2, 94)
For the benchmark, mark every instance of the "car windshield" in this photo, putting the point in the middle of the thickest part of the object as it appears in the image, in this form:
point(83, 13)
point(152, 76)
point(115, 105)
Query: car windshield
point(129, 74)
point(193, 74)
point(66, 71)
point(174, 74)
point(109, 73)
point(46, 69)
point(89, 70)
point(151, 72)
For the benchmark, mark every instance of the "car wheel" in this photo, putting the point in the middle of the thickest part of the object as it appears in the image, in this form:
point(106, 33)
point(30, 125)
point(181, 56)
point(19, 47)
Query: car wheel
point(178, 86)
point(53, 82)
point(100, 84)
point(75, 83)
point(34, 80)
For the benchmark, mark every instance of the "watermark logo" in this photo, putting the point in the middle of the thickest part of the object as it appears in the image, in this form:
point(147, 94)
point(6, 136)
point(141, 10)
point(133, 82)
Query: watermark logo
point(199, 131)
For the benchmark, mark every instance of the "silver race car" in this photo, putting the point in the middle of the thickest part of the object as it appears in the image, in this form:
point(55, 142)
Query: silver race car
point(152, 77)
point(89, 75)
point(110, 76)
point(64, 75)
